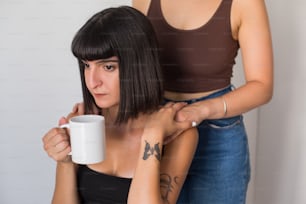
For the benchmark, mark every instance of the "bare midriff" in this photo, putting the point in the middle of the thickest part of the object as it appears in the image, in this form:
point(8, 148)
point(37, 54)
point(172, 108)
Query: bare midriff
point(177, 96)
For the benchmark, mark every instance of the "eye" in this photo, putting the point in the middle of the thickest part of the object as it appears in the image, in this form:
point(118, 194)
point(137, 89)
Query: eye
point(86, 65)
point(109, 67)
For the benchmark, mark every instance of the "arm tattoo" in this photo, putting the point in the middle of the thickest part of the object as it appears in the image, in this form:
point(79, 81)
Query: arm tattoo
point(149, 151)
point(166, 185)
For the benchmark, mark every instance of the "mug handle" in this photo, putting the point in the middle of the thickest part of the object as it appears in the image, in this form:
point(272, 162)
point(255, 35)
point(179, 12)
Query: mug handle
point(66, 126)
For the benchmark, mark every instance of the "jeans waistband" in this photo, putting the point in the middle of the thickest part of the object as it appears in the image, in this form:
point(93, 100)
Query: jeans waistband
point(213, 95)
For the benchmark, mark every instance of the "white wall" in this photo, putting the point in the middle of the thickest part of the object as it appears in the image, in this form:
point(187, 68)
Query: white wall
point(281, 146)
point(39, 82)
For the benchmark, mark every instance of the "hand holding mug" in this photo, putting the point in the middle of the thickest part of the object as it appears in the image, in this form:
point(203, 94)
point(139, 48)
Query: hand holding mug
point(57, 143)
point(86, 141)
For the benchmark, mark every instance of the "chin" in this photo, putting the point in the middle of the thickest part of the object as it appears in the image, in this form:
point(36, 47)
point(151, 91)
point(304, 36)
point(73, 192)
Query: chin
point(105, 104)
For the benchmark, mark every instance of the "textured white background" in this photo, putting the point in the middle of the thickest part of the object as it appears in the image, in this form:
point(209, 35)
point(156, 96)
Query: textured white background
point(39, 82)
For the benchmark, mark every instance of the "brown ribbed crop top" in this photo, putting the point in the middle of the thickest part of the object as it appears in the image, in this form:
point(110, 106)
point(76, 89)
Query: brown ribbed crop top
point(196, 60)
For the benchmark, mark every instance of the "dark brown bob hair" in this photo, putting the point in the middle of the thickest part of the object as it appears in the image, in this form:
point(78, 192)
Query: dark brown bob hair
point(127, 34)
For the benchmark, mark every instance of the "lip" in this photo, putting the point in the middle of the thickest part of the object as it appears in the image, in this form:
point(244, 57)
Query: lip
point(100, 94)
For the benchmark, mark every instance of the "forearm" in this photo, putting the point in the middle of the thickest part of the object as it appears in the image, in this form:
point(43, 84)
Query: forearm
point(66, 184)
point(145, 187)
point(243, 99)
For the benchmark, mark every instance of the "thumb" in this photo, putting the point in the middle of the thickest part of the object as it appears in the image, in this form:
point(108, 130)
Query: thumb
point(184, 125)
point(180, 117)
point(62, 121)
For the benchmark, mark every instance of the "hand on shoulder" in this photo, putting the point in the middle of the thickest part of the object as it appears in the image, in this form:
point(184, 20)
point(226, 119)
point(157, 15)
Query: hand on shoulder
point(163, 121)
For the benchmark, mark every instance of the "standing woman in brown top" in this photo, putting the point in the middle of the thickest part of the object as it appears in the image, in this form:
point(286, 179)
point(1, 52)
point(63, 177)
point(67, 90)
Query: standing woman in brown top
point(199, 41)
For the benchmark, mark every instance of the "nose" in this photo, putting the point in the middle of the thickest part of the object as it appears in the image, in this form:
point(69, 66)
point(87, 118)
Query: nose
point(92, 77)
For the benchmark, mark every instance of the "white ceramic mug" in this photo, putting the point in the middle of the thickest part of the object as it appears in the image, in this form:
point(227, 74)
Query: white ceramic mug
point(87, 138)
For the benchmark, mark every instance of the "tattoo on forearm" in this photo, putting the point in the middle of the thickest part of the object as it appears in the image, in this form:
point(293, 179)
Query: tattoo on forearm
point(166, 184)
point(152, 150)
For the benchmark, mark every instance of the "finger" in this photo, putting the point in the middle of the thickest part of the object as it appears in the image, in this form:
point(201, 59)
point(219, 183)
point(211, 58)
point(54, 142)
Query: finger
point(167, 140)
point(179, 105)
point(59, 147)
point(62, 155)
point(62, 121)
point(78, 109)
point(180, 127)
point(65, 154)
point(58, 139)
point(52, 133)
point(185, 125)
point(169, 104)
point(170, 138)
point(181, 116)
point(54, 141)
point(75, 108)
point(56, 150)
point(81, 109)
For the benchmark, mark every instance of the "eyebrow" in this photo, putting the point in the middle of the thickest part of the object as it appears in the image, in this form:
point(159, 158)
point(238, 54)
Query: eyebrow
point(107, 60)
point(102, 61)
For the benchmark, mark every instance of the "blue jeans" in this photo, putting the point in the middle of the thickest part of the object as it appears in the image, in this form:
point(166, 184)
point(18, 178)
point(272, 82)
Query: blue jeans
point(220, 170)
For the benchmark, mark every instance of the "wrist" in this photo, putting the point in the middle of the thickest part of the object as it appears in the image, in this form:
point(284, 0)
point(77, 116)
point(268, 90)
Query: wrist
point(204, 111)
point(66, 165)
point(153, 134)
point(152, 145)
point(224, 106)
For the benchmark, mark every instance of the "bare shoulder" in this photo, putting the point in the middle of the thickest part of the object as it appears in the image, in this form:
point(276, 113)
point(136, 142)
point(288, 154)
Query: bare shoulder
point(251, 12)
point(141, 5)
point(248, 8)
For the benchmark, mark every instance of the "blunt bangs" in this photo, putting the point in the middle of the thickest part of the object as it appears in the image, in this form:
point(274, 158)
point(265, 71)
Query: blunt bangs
point(94, 41)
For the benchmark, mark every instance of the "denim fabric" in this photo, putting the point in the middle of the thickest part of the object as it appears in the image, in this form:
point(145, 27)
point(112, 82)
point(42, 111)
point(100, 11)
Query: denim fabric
point(220, 170)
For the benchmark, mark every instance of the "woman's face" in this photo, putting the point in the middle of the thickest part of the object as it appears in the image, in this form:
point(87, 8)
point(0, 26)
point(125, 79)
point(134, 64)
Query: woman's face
point(102, 81)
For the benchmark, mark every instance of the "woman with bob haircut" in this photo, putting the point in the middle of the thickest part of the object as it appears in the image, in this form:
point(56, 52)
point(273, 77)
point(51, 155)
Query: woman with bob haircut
point(121, 80)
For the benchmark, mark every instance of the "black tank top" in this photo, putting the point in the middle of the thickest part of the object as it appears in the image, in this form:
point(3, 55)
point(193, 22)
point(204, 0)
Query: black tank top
point(196, 60)
point(98, 188)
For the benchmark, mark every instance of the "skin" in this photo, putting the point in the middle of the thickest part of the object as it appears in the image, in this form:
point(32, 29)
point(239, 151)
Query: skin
point(142, 139)
point(104, 71)
point(250, 26)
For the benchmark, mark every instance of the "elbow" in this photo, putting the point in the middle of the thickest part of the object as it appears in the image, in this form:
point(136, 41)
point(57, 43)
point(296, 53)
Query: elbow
point(265, 90)
point(268, 95)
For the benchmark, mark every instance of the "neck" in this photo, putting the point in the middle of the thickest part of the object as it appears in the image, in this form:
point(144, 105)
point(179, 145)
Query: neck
point(110, 115)
point(130, 126)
